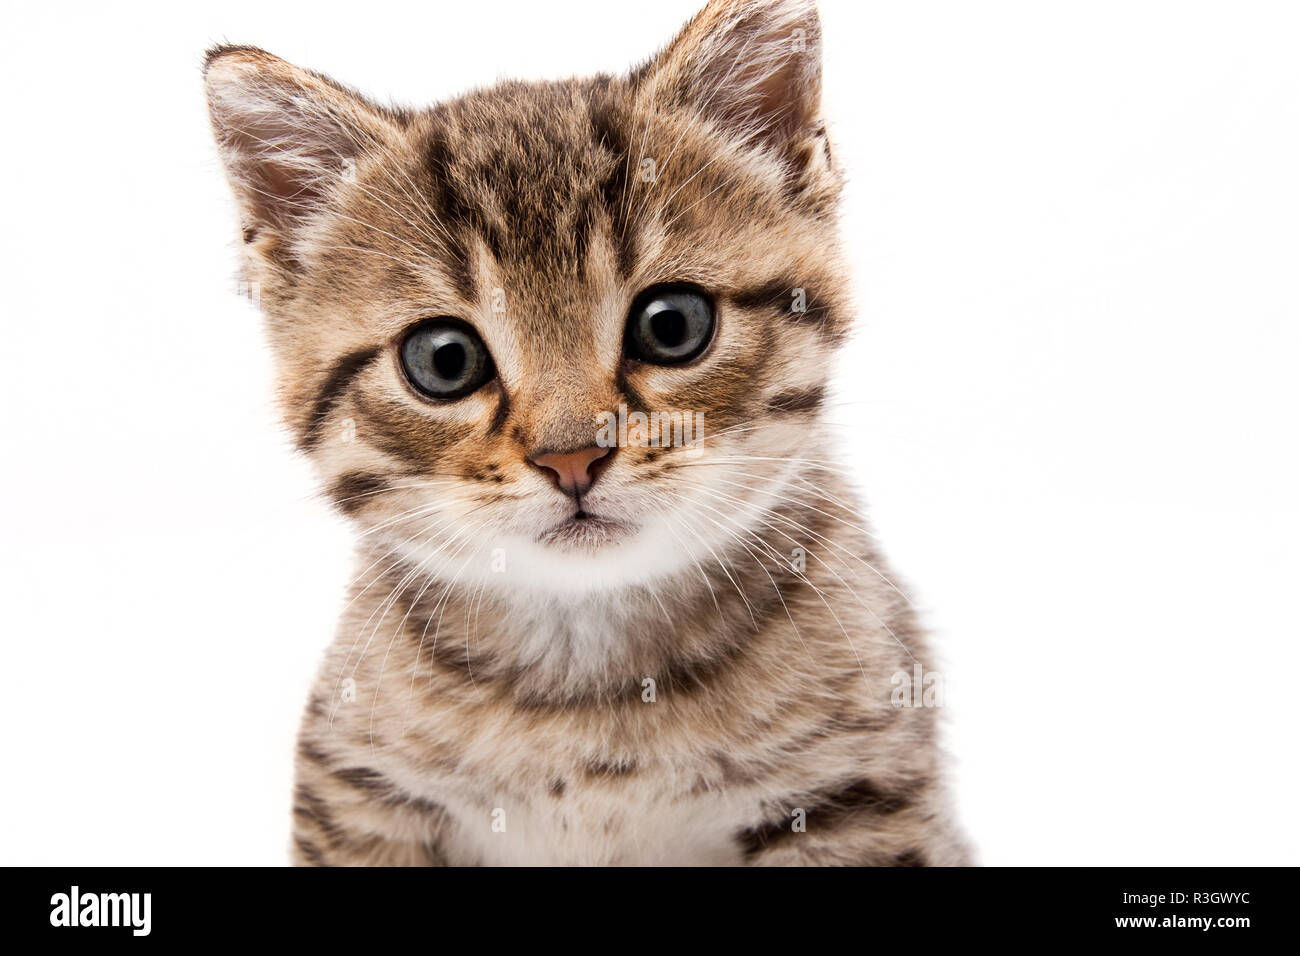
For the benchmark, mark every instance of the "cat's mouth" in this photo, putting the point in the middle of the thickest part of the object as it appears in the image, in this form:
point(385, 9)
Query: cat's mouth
point(584, 530)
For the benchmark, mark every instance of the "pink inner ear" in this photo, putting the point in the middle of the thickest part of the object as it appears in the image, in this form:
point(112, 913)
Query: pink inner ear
point(288, 180)
point(778, 106)
point(283, 169)
point(754, 65)
point(286, 135)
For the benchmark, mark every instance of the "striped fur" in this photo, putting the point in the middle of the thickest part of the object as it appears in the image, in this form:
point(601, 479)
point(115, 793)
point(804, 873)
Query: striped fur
point(684, 679)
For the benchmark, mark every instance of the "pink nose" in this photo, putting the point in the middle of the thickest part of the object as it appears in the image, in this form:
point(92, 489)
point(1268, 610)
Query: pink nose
point(571, 470)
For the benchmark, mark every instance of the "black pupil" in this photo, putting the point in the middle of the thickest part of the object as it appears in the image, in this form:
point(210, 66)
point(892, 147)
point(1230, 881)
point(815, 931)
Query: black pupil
point(669, 327)
point(449, 360)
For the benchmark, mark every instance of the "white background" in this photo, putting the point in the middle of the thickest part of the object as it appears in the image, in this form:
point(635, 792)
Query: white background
point(1072, 405)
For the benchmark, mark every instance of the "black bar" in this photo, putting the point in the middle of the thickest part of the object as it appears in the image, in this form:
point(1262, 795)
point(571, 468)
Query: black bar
point(657, 907)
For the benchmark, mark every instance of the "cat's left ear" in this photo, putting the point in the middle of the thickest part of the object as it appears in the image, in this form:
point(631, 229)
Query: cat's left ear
point(751, 66)
point(288, 137)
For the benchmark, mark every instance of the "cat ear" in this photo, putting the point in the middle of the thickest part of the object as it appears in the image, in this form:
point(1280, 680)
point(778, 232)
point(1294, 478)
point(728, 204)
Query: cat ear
point(753, 66)
point(287, 136)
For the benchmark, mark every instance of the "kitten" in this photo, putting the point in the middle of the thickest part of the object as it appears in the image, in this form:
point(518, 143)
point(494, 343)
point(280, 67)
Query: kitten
point(559, 351)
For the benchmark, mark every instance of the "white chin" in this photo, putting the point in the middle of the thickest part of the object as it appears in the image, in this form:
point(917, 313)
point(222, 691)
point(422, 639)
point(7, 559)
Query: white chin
point(576, 558)
point(600, 557)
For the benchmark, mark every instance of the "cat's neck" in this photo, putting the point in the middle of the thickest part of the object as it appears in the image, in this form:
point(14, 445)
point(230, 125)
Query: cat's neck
point(589, 641)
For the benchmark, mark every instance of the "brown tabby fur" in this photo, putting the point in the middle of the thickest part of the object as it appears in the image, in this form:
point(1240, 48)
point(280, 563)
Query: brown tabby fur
point(675, 686)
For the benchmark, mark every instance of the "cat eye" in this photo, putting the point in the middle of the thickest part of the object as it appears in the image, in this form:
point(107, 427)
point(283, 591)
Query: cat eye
point(446, 359)
point(669, 324)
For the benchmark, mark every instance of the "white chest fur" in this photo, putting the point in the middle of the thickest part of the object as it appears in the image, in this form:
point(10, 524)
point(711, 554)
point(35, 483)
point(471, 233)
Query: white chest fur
point(587, 829)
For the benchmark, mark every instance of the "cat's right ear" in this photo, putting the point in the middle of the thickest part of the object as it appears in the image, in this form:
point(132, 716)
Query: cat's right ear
point(753, 67)
point(287, 136)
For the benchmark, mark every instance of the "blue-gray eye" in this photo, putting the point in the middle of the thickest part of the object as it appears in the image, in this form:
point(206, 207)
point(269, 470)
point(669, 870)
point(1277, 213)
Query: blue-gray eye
point(669, 324)
point(446, 359)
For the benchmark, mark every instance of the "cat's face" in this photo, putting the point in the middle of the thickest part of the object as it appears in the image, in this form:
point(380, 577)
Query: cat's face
point(470, 305)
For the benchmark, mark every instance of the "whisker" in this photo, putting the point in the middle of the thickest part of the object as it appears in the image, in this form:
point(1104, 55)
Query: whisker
point(870, 610)
point(781, 561)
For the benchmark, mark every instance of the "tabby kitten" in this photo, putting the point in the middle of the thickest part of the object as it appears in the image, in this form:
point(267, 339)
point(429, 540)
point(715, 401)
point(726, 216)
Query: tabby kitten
point(572, 640)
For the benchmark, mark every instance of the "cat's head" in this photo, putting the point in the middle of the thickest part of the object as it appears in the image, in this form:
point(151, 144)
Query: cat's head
point(471, 306)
